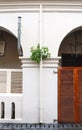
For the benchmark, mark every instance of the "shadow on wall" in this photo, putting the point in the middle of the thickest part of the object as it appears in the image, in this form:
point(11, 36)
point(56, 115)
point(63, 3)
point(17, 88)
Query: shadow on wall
point(10, 59)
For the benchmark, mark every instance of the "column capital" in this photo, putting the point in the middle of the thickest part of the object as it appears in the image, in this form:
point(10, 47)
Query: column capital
point(48, 63)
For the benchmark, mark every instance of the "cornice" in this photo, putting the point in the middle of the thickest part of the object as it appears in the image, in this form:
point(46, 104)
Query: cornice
point(49, 63)
point(34, 6)
point(49, 6)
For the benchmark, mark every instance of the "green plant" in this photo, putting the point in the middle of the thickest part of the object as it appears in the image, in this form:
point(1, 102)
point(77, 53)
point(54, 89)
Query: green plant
point(37, 53)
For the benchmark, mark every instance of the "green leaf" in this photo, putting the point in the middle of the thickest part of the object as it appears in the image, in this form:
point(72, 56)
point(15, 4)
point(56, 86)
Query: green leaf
point(37, 53)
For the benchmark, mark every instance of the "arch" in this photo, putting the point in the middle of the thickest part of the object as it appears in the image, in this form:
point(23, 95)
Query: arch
point(12, 110)
point(3, 29)
point(9, 60)
point(11, 50)
point(2, 109)
point(68, 36)
point(68, 75)
point(7, 30)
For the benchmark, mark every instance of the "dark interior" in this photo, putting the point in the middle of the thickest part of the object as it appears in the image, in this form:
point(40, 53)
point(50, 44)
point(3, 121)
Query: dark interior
point(70, 60)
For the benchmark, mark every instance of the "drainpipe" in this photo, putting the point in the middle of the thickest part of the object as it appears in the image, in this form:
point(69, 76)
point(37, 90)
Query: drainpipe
point(19, 37)
point(41, 88)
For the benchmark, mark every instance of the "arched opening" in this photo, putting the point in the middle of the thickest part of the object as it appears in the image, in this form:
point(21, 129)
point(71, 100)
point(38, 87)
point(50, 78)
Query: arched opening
point(70, 78)
point(13, 110)
point(2, 110)
point(71, 48)
point(10, 64)
point(10, 58)
point(72, 42)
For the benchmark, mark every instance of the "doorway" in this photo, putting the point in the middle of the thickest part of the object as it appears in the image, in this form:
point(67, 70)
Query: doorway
point(70, 79)
point(70, 94)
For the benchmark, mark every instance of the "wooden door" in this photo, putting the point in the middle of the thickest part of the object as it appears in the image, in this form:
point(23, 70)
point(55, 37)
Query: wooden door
point(70, 94)
point(80, 93)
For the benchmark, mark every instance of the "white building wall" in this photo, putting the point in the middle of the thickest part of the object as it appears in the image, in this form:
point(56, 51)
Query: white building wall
point(57, 21)
point(30, 94)
point(29, 28)
point(8, 99)
point(50, 95)
point(32, 97)
point(56, 25)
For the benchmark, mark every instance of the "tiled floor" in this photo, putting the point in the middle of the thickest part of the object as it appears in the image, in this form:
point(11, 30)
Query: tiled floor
point(10, 126)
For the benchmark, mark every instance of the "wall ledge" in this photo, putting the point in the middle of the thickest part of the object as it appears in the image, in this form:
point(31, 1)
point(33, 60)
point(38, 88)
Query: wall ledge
point(48, 63)
point(34, 6)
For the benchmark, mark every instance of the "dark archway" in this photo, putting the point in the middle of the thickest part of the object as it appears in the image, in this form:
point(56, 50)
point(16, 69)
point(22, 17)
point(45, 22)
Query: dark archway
point(10, 59)
point(71, 48)
point(10, 64)
point(70, 78)
point(67, 44)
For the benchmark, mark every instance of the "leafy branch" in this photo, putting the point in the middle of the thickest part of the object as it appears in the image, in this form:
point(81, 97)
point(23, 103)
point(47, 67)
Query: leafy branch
point(37, 53)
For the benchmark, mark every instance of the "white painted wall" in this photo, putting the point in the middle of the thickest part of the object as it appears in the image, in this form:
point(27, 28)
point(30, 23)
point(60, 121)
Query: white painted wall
point(55, 27)
point(56, 24)
point(30, 94)
point(8, 99)
point(50, 100)
point(29, 28)
point(31, 91)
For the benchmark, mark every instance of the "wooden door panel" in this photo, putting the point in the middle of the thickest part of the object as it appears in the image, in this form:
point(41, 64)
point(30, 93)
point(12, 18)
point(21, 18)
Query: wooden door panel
point(70, 94)
point(66, 75)
point(66, 106)
point(80, 93)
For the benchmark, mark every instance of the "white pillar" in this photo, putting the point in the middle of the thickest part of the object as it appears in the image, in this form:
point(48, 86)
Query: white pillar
point(30, 91)
point(7, 111)
point(31, 83)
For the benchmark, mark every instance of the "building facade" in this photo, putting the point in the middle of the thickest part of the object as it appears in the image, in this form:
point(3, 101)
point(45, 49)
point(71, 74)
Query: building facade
point(29, 91)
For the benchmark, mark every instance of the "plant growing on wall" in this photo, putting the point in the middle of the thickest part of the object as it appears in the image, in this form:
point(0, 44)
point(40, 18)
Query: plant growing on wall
point(37, 53)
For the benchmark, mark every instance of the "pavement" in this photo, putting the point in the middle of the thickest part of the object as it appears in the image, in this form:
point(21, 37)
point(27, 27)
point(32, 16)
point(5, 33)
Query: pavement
point(55, 126)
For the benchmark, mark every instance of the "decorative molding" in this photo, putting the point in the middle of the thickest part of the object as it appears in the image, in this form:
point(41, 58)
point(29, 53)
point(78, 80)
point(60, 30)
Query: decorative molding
point(49, 63)
point(34, 6)
point(27, 63)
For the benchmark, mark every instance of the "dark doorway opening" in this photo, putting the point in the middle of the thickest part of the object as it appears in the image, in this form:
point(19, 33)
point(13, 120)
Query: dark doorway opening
point(70, 78)
point(71, 60)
